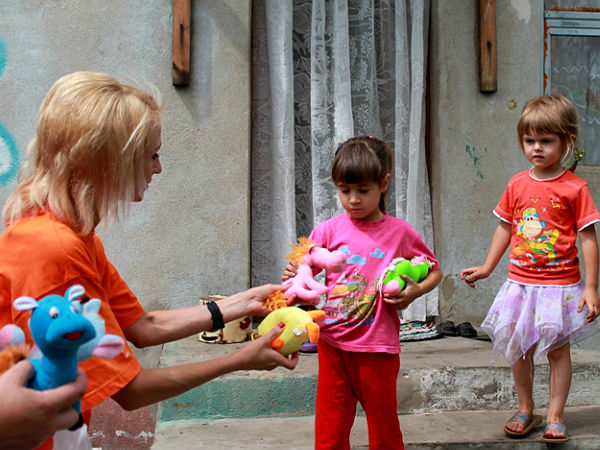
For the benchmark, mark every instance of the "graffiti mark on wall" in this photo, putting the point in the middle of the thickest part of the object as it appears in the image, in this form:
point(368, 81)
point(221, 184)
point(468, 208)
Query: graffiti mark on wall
point(9, 157)
point(2, 56)
point(475, 156)
point(9, 154)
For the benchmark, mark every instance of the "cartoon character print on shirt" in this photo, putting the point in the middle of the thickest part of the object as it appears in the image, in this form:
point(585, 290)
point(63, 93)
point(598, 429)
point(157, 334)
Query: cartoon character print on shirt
point(536, 240)
point(353, 300)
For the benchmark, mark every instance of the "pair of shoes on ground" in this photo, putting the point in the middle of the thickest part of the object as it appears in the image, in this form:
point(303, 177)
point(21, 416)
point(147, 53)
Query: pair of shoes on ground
point(532, 421)
point(464, 329)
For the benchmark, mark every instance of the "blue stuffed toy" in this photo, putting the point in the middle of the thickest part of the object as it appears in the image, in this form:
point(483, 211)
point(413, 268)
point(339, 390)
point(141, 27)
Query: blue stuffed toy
point(66, 332)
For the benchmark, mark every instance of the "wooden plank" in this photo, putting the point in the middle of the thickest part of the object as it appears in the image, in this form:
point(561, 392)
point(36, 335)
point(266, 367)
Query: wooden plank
point(181, 42)
point(488, 78)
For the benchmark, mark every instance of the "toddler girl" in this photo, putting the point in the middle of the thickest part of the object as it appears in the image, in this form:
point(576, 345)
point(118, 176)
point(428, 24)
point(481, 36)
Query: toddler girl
point(359, 344)
point(544, 306)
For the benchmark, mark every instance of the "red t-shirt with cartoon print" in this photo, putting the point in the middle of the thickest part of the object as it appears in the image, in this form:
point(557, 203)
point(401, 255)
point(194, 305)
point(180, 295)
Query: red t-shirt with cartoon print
point(545, 216)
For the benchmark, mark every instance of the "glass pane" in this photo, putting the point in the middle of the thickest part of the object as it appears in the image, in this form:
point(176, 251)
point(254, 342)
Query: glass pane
point(575, 72)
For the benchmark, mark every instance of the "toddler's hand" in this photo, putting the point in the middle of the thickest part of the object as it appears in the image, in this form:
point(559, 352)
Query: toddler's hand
point(290, 271)
point(590, 298)
point(472, 274)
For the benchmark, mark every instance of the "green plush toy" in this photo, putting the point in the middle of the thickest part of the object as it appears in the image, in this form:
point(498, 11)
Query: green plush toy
point(299, 328)
point(392, 283)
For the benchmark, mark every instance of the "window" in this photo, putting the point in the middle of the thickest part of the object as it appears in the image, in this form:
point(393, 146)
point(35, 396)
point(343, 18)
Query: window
point(571, 64)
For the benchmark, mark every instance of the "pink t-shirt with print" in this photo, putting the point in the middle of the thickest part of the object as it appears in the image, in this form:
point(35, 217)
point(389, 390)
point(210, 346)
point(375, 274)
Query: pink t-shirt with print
point(357, 320)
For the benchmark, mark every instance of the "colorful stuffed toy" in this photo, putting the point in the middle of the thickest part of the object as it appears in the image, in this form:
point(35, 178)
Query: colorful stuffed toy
point(12, 346)
point(105, 346)
point(392, 283)
point(65, 332)
point(299, 328)
point(303, 288)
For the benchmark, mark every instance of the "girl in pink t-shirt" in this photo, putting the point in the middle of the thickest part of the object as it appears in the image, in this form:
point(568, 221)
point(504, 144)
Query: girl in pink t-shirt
point(544, 306)
point(359, 344)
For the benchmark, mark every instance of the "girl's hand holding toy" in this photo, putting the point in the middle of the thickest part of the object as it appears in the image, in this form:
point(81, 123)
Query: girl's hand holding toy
point(398, 282)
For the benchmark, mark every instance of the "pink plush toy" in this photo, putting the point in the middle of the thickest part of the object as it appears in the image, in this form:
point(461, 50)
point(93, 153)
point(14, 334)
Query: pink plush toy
point(303, 288)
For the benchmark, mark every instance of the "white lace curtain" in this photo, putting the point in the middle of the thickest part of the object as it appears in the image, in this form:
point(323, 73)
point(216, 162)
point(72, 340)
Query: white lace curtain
point(324, 71)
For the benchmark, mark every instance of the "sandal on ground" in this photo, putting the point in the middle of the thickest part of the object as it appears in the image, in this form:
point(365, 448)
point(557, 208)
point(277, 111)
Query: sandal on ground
point(557, 428)
point(447, 328)
point(529, 423)
point(465, 329)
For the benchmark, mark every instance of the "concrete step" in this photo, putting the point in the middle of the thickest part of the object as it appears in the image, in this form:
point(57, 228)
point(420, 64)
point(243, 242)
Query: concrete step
point(447, 430)
point(448, 374)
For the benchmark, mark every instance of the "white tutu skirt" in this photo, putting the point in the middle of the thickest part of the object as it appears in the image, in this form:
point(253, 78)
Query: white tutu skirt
point(523, 316)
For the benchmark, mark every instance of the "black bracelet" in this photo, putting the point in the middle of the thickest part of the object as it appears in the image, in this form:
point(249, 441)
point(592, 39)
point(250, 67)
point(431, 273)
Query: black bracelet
point(216, 315)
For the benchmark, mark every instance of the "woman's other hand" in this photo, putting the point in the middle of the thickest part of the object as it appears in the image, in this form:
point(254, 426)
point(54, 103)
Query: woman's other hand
point(258, 354)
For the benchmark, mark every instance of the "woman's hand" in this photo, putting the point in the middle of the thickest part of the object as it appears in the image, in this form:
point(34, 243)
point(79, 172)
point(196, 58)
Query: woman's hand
point(258, 354)
point(473, 274)
point(253, 299)
point(590, 298)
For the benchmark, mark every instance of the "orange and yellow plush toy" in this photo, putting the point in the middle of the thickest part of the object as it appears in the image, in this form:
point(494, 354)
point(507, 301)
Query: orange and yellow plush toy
point(299, 328)
point(302, 288)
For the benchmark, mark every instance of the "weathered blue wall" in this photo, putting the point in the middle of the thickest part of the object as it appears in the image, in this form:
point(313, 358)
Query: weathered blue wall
point(473, 140)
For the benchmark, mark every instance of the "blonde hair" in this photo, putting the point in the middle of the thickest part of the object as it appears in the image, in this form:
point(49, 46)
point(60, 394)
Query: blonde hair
point(550, 114)
point(86, 162)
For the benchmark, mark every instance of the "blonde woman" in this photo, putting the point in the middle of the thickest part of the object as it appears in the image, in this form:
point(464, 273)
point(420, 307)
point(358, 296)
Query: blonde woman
point(96, 150)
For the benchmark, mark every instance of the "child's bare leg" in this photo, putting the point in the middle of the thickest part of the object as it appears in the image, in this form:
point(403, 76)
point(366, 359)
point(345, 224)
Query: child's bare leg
point(523, 371)
point(560, 383)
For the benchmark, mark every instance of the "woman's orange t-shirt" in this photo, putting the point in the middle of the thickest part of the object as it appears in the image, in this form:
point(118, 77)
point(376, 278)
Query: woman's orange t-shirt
point(41, 256)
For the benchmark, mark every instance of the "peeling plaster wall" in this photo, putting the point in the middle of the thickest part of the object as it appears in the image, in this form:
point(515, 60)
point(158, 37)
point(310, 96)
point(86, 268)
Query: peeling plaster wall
point(473, 141)
point(190, 235)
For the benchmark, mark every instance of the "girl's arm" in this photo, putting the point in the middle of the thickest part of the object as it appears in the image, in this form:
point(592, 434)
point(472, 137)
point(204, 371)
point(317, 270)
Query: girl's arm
point(153, 385)
point(159, 327)
point(413, 290)
point(499, 244)
point(589, 251)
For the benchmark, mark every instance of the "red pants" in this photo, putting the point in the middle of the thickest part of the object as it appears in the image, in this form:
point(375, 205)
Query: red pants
point(346, 378)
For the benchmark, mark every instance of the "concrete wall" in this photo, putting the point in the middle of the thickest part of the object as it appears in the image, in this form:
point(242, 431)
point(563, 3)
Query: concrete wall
point(195, 216)
point(473, 142)
point(190, 236)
